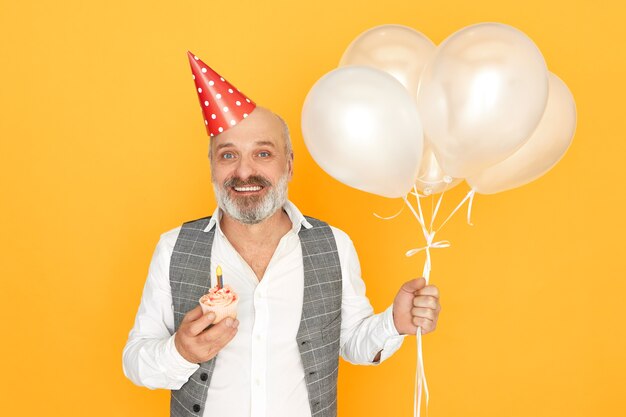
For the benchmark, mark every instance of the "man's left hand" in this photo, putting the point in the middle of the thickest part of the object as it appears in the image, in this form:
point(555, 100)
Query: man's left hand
point(416, 305)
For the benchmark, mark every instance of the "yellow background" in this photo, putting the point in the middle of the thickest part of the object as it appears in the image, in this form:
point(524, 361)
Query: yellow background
point(103, 148)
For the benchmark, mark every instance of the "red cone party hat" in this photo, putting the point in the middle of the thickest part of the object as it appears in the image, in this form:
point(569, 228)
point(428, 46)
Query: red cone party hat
point(223, 106)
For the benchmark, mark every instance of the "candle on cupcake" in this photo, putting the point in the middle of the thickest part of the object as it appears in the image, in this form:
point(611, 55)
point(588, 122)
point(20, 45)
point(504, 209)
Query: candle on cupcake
point(220, 283)
point(221, 299)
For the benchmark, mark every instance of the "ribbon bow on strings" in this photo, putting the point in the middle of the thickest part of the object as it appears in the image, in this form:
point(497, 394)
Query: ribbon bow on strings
point(430, 236)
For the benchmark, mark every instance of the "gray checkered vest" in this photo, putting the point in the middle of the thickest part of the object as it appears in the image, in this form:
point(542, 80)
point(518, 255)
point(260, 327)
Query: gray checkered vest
point(320, 324)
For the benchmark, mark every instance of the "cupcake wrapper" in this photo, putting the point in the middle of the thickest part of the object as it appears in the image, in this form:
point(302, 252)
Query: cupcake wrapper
point(221, 312)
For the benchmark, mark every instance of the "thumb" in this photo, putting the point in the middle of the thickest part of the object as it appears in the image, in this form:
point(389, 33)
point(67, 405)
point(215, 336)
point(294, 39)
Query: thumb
point(413, 285)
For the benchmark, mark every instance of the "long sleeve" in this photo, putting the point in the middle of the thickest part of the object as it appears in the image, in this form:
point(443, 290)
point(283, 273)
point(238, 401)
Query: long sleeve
point(150, 357)
point(363, 333)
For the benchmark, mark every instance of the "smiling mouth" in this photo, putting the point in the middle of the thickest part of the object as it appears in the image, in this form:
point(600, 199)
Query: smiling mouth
point(248, 189)
point(253, 185)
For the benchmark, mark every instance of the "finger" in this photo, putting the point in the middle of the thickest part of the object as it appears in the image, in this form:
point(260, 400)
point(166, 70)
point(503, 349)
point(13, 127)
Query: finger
point(221, 333)
point(193, 314)
point(423, 323)
point(226, 336)
point(426, 301)
point(425, 313)
point(413, 285)
point(213, 347)
point(428, 327)
point(429, 290)
point(196, 327)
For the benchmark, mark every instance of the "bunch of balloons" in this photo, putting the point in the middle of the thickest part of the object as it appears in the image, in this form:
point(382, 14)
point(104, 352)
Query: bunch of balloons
point(400, 112)
point(402, 116)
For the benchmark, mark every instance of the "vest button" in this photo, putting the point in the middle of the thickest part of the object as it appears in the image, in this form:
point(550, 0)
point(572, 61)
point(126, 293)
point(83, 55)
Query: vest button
point(312, 373)
point(304, 343)
point(204, 376)
point(196, 408)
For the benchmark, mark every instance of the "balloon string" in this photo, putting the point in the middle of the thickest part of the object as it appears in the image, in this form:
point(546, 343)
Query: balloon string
point(429, 236)
point(420, 373)
point(390, 217)
point(419, 219)
point(422, 222)
point(432, 219)
point(469, 207)
point(432, 210)
point(420, 378)
point(470, 196)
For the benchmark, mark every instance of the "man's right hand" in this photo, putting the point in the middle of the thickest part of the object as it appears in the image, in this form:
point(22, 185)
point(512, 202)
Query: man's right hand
point(198, 344)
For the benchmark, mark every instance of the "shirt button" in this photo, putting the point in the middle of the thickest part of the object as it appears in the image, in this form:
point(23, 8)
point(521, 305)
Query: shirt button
point(196, 408)
point(258, 381)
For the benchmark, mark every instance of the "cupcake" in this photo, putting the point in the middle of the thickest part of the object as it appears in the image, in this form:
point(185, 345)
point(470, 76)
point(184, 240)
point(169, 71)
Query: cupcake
point(221, 301)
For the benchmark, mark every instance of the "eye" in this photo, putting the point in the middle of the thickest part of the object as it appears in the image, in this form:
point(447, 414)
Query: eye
point(264, 154)
point(228, 155)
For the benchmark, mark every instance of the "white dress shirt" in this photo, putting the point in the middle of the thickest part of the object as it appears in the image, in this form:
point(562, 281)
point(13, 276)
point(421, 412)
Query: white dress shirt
point(259, 373)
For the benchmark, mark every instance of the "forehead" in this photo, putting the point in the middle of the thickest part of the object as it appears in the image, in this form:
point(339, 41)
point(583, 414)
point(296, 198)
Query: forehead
point(261, 126)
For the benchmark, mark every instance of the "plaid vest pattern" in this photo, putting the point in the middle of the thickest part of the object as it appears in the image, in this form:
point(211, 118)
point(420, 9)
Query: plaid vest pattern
point(320, 323)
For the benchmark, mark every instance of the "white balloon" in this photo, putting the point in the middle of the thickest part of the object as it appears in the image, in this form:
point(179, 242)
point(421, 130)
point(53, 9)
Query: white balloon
point(541, 152)
point(481, 96)
point(398, 50)
point(362, 127)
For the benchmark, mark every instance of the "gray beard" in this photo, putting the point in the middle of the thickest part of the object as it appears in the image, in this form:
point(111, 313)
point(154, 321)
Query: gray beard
point(253, 210)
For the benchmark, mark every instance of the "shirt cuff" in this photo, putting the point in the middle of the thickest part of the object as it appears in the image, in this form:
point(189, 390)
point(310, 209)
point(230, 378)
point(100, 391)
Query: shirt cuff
point(173, 360)
point(387, 336)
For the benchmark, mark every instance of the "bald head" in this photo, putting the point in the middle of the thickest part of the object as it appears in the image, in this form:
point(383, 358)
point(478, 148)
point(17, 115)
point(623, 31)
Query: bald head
point(260, 123)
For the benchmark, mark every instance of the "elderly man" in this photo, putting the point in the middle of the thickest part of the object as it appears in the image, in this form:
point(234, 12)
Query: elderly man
point(302, 301)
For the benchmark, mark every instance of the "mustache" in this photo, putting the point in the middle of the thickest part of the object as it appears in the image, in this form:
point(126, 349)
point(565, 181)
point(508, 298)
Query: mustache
point(252, 180)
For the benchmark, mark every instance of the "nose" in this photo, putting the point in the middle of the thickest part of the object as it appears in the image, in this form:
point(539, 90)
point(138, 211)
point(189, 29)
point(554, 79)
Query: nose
point(245, 168)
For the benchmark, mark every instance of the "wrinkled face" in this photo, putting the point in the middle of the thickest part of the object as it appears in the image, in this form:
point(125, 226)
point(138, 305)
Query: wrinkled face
point(250, 167)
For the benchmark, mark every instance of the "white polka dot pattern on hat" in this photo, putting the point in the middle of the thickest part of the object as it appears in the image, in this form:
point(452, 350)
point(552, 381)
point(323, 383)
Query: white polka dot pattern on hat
point(223, 106)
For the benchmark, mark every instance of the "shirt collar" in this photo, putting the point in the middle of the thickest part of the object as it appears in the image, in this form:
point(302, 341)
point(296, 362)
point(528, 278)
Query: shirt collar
point(297, 218)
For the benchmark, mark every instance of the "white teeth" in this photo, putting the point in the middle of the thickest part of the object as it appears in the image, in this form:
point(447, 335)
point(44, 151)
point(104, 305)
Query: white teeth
point(257, 188)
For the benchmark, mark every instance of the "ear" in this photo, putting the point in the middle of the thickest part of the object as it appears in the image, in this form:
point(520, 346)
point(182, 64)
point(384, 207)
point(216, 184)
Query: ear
point(290, 164)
